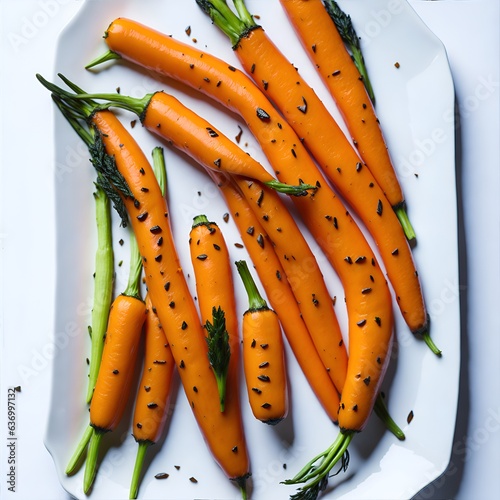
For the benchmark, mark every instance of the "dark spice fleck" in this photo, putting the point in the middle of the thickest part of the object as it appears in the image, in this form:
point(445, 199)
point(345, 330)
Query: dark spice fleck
point(257, 390)
point(193, 479)
point(171, 304)
point(361, 323)
point(355, 408)
point(147, 388)
point(313, 47)
point(395, 251)
point(358, 166)
point(217, 247)
point(409, 418)
point(156, 229)
point(360, 259)
point(294, 153)
point(348, 259)
point(336, 73)
point(303, 108)
point(195, 389)
point(144, 189)
point(260, 198)
point(158, 258)
point(367, 380)
point(161, 475)
point(379, 361)
point(335, 223)
point(253, 344)
point(264, 346)
point(167, 286)
point(366, 290)
point(152, 406)
point(264, 378)
point(116, 372)
point(378, 320)
point(141, 170)
point(159, 362)
point(266, 405)
point(202, 256)
point(250, 230)
point(225, 217)
point(264, 364)
point(217, 162)
point(278, 275)
point(260, 240)
point(181, 364)
point(184, 325)
point(262, 114)
point(142, 217)
point(234, 449)
point(265, 84)
point(212, 132)
point(380, 207)
point(160, 241)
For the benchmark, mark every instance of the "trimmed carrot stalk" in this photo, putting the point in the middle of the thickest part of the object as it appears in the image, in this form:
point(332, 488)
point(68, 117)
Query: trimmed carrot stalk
point(215, 291)
point(279, 293)
point(103, 285)
point(263, 355)
point(323, 41)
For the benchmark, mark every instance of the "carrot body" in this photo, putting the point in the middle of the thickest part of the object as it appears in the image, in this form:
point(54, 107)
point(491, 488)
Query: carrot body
point(170, 294)
point(303, 274)
point(341, 164)
point(151, 405)
point(214, 286)
point(325, 47)
point(263, 355)
point(279, 294)
point(113, 384)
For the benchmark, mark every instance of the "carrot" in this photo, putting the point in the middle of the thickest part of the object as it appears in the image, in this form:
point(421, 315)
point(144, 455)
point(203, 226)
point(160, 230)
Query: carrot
point(311, 120)
point(324, 45)
point(114, 381)
point(346, 30)
point(215, 291)
point(263, 355)
point(167, 287)
point(152, 400)
point(279, 293)
point(282, 146)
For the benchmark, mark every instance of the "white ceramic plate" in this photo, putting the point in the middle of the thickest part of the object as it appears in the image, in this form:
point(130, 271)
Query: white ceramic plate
point(415, 104)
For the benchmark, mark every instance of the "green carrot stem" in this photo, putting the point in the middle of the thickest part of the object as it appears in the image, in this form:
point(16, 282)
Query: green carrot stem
point(134, 278)
point(107, 56)
point(92, 456)
point(139, 461)
point(103, 286)
point(382, 412)
point(316, 475)
point(300, 190)
point(430, 343)
point(255, 300)
point(405, 222)
point(74, 461)
point(159, 168)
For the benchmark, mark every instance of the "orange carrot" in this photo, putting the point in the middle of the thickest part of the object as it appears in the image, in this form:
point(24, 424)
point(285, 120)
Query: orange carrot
point(149, 216)
point(263, 355)
point(282, 146)
point(215, 291)
point(325, 47)
point(152, 401)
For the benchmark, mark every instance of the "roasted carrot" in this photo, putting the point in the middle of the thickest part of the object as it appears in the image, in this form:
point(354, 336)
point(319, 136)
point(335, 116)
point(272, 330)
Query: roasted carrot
point(279, 293)
point(346, 30)
point(114, 381)
point(325, 47)
point(215, 292)
point(167, 286)
point(152, 400)
point(311, 120)
point(263, 355)
point(282, 146)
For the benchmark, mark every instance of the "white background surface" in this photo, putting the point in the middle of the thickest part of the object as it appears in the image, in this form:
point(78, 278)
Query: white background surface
point(29, 30)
